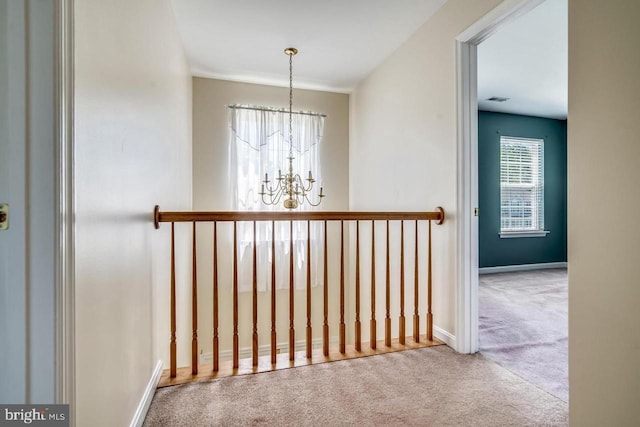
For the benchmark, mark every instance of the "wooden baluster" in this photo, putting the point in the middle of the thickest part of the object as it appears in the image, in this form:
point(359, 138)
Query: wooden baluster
point(429, 315)
point(401, 322)
point(292, 332)
point(387, 319)
point(194, 308)
point(325, 327)
point(274, 348)
point(172, 345)
point(358, 326)
point(216, 339)
point(373, 338)
point(309, 343)
point(255, 299)
point(180, 217)
point(342, 325)
point(235, 295)
point(416, 316)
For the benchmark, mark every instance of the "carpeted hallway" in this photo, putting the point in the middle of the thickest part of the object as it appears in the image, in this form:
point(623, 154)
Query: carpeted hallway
point(524, 325)
point(523, 329)
point(426, 387)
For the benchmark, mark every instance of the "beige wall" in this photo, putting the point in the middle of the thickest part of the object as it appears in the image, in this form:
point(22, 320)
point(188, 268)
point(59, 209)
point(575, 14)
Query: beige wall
point(604, 239)
point(133, 150)
point(211, 139)
point(133, 129)
point(403, 137)
point(211, 191)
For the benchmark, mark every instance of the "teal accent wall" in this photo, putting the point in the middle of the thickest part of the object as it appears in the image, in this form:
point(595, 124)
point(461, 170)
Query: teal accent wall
point(495, 251)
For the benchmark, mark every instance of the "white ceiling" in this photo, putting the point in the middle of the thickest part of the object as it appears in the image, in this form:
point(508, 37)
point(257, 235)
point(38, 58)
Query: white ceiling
point(340, 41)
point(526, 61)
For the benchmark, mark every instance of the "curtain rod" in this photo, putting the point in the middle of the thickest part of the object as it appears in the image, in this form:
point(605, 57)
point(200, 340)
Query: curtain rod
point(276, 110)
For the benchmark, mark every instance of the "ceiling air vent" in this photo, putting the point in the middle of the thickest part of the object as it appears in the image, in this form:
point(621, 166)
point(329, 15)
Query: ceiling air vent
point(498, 99)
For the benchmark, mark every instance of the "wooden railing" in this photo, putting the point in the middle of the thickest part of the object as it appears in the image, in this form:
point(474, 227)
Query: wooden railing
point(175, 375)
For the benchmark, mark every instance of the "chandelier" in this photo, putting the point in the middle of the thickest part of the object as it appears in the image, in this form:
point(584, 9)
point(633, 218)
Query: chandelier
point(291, 186)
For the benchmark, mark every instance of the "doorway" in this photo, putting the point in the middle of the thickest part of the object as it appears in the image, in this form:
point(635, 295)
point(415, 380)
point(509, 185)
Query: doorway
point(36, 301)
point(485, 241)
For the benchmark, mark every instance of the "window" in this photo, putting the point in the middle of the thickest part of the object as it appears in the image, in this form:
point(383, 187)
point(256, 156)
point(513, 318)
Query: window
point(521, 187)
point(259, 144)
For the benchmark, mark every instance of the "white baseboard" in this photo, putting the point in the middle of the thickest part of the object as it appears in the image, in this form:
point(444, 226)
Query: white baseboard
point(444, 336)
point(521, 267)
point(147, 397)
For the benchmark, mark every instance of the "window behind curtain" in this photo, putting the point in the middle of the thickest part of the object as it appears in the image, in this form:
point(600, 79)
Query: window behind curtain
point(259, 144)
point(521, 184)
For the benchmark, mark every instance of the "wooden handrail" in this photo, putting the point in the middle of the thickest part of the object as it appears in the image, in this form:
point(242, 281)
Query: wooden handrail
point(203, 216)
point(374, 347)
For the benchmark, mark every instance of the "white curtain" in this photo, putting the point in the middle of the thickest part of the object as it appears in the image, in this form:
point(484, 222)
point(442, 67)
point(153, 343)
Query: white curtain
point(259, 144)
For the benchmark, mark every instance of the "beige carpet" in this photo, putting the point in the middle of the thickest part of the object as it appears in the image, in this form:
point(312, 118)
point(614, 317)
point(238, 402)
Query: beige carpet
point(524, 326)
point(427, 387)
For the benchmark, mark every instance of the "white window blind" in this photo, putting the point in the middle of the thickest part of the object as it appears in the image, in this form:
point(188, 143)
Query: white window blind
point(521, 184)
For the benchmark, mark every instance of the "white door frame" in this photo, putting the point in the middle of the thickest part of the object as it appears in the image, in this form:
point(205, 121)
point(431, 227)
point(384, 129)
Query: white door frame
point(467, 163)
point(41, 146)
point(64, 209)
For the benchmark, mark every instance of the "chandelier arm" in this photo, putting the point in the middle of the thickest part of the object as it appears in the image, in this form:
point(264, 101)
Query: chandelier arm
point(277, 195)
point(274, 194)
point(265, 201)
point(277, 187)
point(314, 204)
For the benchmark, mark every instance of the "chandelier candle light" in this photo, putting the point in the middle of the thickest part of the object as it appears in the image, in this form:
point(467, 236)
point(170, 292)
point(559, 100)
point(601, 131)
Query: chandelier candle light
point(291, 186)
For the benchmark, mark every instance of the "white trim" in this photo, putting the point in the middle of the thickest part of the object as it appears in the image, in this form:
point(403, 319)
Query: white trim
point(147, 396)
point(522, 267)
point(467, 187)
point(268, 81)
point(64, 246)
point(505, 12)
point(445, 336)
point(467, 164)
point(516, 234)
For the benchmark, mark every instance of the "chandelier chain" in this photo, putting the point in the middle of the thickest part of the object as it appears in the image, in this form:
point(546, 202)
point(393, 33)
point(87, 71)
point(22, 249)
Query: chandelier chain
point(290, 105)
point(295, 189)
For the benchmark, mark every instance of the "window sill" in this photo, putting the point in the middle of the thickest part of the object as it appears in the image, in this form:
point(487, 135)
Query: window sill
point(516, 234)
